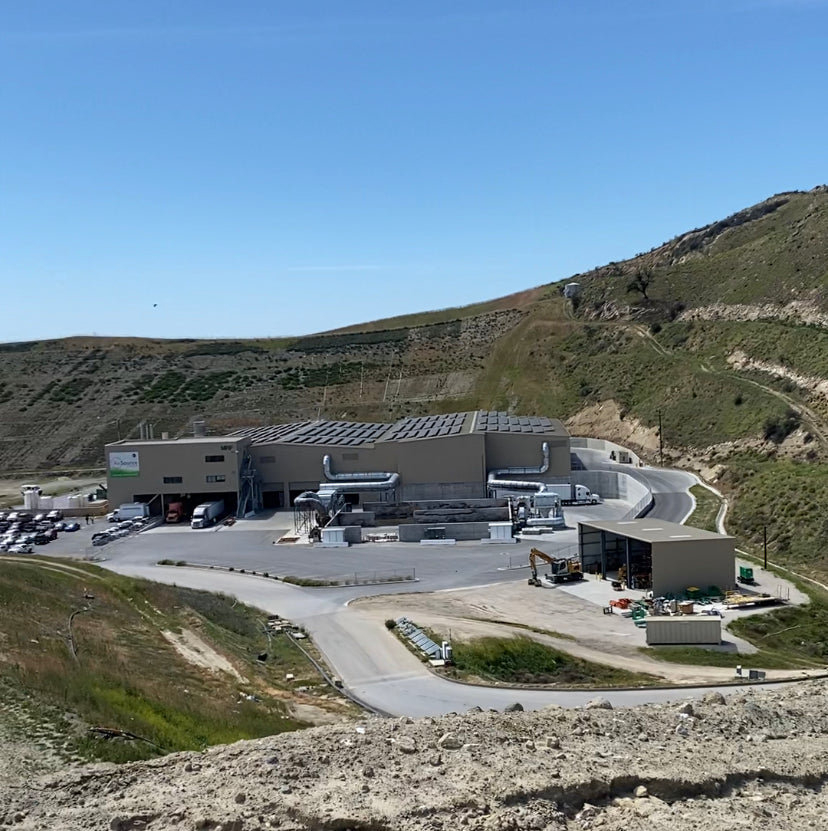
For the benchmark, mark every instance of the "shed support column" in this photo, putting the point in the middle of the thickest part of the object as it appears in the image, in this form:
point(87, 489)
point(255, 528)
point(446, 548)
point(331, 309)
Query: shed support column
point(629, 571)
point(603, 555)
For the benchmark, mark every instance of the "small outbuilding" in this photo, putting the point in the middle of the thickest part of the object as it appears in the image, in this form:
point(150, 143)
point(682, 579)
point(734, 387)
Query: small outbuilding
point(666, 557)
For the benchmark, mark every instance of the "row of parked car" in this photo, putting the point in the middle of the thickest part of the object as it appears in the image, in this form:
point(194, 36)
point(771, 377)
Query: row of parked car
point(122, 529)
point(20, 531)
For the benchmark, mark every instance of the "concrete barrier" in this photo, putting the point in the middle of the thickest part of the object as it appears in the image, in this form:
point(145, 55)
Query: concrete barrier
point(454, 530)
point(621, 453)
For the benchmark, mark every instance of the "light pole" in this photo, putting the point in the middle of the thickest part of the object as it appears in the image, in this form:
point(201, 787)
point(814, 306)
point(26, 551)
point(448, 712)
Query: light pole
point(765, 544)
point(660, 442)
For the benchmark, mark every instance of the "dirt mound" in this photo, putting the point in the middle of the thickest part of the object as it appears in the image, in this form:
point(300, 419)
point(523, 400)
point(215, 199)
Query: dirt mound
point(756, 757)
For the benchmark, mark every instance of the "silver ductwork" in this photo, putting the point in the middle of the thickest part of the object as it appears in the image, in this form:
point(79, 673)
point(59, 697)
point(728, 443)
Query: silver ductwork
point(524, 471)
point(325, 504)
point(330, 497)
point(519, 484)
point(350, 477)
point(389, 482)
point(516, 485)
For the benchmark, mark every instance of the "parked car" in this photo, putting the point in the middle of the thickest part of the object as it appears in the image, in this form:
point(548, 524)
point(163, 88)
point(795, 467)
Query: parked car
point(71, 526)
point(55, 515)
point(101, 540)
point(41, 517)
point(41, 539)
point(21, 548)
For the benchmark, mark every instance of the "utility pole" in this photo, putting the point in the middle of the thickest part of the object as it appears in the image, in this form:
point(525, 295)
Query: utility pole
point(765, 544)
point(660, 442)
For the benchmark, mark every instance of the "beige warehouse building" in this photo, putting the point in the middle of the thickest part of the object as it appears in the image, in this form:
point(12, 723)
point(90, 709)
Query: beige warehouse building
point(654, 554)
point(448, 456)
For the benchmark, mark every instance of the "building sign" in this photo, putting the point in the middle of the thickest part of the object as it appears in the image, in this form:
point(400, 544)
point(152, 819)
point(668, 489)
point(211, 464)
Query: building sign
point(123, 464)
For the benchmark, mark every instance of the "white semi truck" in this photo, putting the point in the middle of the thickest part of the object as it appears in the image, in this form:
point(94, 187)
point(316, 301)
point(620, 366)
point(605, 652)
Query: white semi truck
point(207, 514)
point(571, 494)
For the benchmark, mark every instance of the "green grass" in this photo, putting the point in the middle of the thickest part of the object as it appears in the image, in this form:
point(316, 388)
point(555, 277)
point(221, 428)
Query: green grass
point(127, 675)
point(699, 656)
point(707, 508)
point(524, 661)
point(790, 499)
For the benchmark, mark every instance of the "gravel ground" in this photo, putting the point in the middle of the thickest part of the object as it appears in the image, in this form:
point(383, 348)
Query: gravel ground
point(754, 760)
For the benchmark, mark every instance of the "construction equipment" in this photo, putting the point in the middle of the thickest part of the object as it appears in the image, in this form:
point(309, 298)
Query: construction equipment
point(562, 570)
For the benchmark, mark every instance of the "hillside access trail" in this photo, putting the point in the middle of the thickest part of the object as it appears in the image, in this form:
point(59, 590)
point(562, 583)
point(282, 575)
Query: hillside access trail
point(817, 425)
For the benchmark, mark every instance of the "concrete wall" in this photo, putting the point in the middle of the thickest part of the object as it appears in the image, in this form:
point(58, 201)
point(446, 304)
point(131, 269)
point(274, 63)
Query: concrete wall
point(524, 450)
point(611, 484)
point(184, 458)
point(678, 564)
point(480, 510)
point(455, 531)
point(606, 447)
point(360, 518)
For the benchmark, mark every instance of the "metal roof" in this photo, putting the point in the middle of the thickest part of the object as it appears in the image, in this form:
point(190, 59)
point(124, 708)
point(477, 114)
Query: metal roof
point(653, 530)
point(426, 427)
point(235, 438)
point(347, 433)
point(355, 433)
point(492, 421)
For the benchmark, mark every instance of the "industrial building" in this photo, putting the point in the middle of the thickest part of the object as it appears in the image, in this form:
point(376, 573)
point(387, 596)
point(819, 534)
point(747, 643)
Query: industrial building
point(450, 456)
point(665, 557)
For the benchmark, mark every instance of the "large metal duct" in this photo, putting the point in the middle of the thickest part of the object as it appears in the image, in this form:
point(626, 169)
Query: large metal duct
point(519, 484)
point(349, 477)
point(524, 471)
point(324, 503)
point(389, 482)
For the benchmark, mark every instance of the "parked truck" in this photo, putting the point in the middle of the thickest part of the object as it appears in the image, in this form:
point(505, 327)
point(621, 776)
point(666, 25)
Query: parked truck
point(207, 514)
point(175, 512)
point(129, 510)
point(571, 494)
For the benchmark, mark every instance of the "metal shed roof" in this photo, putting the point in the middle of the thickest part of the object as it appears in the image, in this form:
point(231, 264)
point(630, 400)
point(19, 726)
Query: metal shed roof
point(653, 530)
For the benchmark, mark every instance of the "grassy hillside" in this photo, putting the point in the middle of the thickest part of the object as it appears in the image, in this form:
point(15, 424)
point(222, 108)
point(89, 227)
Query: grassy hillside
point(729, 345)
point(84, 648)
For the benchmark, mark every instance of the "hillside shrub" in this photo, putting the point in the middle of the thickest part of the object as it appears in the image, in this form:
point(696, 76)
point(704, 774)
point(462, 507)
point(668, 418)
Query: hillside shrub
point(778, 428)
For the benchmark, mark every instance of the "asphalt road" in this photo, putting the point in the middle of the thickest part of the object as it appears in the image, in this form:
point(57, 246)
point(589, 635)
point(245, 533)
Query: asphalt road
point(371, 662)
point(672, 502)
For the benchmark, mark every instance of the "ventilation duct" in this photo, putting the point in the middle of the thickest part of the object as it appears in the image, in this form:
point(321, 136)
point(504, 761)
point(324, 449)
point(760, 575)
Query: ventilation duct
point(349, 477)
point(524, 471)
point(520, 484)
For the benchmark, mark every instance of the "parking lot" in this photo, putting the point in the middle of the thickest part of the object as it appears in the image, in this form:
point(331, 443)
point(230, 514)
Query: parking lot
point(251, 544)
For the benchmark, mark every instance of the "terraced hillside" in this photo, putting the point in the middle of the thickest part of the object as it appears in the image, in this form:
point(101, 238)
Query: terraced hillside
point(722, 331)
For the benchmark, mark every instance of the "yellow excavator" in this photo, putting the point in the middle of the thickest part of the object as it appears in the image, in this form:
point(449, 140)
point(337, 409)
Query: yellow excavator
point(562, 570)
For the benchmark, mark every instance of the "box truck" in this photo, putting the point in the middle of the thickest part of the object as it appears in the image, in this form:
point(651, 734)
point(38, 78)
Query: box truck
point(207, 514)
point(129, 510)
point(574, 494)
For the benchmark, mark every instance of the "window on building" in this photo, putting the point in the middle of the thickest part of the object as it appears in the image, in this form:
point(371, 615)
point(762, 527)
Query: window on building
point(226, 447)
point(173, 480)
point(267, 460)
point(220, 477)
point(214, 458)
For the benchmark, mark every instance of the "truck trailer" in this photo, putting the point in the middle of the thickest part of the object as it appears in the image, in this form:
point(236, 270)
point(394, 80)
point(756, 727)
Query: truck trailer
point(207, 514)
point(129, 510)
point(571, 494)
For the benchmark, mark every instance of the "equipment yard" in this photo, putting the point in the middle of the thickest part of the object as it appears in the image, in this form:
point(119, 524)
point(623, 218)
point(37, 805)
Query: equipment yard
point(568, 617)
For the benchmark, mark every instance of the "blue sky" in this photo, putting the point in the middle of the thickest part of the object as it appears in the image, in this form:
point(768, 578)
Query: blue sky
point(260, 167)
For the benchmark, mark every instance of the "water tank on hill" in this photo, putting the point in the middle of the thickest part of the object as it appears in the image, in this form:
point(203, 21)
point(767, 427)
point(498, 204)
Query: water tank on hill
point(572, 290)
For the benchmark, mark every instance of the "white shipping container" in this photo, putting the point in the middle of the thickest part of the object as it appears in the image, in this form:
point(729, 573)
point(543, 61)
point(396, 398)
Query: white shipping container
point(663, 631)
